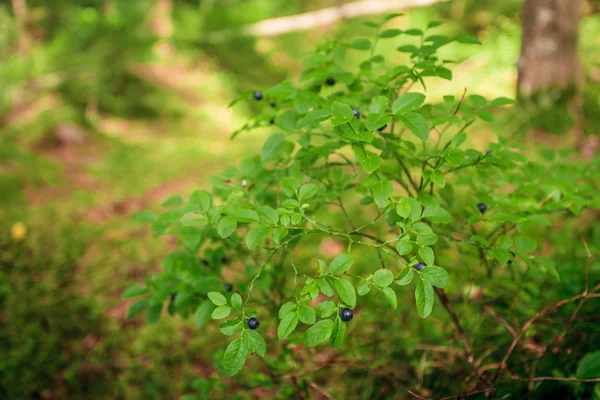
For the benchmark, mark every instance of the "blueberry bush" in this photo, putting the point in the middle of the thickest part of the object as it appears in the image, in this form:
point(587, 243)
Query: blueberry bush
point(424, 228)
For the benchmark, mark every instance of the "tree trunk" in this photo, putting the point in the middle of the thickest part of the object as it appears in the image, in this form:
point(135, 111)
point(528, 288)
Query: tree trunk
point(549, 48)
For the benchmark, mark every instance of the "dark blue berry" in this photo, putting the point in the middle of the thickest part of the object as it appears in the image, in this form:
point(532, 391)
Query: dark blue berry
point(482, 207)
point(382, 128)
point(272, 103)
point(173, 296)
point(488, 153)
point(330, 81)
point(257, 95)
point(355, 112)
point(346, 314)
point(253, 323)
point(228, 287)
point(204, 261)
point(419, 266)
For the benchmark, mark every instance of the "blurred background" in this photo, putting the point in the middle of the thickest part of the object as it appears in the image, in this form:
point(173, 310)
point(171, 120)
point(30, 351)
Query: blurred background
point(108, 107)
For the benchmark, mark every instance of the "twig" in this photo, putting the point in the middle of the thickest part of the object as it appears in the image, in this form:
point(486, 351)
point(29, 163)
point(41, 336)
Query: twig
point(460, 102)
point(550, 378)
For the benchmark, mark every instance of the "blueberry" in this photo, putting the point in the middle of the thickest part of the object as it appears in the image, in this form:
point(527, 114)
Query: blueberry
point(173, 296)
point(419, 266)
point(272, 121)
point(488, 153)
point(228, 287)
point(204, 261)
point(482, 207)
point(355, 112)
point(257, 95)
point(253, 323)
point(382, 128)
point(272, 103)
point(330, 81)
point(346, 314)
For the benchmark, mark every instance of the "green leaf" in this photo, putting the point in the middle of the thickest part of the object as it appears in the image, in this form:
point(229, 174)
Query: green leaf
point(341, 113)
point(175, 200)
point(134, 291)
point(437, 214)
point(403, 208)
point(390, 296)
point(306, 314)
point(226, 227)
point(254, 342)
point(361, 44)
point(426, 254)
point(325, 287)
point(217, 298)
point(368, 160)
point(279, 234)
point(287, 325)
point(438, 179)
point(144, 216)
point(234, 357)
point(136, 308)
point(383, 277)
point(192, 219)
point(382, 191)
point(363, 288)
point(236, 300)
point(326, 309)
point(376, 121)
point(589, 366)
point(153, 313)
point(221, 312)
point(417, 124)
point(525, 244)
point(467, 39)
point(390, 33)
point(307, 191)
point(313, 117)
point(427, 240)
point(318, 333)
point(267, 215)
point(435, 276)
point(202, 199)
point(203, 313)
point(341, 264)
point(257, 235)
point(405, 277)
point(287, 308)
point(501, 255)
point(424, 298)
point(338, 333)
point(378, 105)
point(403, 246)
point(244, 215)
point(231, 327)
point(421, 228)
point(407, 102)
point(346, 291)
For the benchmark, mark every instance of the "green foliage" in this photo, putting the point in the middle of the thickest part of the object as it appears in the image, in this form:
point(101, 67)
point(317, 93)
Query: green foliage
point(412, 192)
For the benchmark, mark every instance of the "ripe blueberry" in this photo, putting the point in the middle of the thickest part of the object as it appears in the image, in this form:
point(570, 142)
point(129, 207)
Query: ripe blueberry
point(253, 323)
point(488, 153)
point(382, 128)
point(482, 207)
point(272, 103)
point(257, 95)
point(204, 261)
point(419, 266)
point(346, 314)
point(228, 287)
point(173, 296)
point(330, 81)
point(355, 112)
